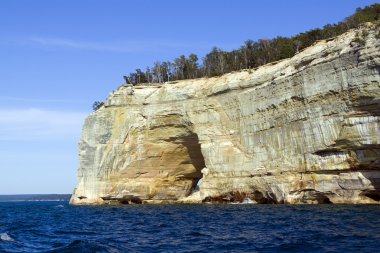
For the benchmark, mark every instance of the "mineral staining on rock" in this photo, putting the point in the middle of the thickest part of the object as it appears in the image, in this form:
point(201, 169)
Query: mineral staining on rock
point(302, 130)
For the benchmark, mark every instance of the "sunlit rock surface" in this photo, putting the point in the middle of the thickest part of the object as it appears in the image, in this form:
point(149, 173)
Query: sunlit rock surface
point(302, 130)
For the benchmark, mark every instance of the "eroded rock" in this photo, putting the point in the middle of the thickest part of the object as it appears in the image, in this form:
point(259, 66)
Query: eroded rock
point(302, 130)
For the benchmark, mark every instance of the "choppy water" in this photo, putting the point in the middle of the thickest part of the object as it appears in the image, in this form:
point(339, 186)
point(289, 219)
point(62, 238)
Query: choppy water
point(58, 227)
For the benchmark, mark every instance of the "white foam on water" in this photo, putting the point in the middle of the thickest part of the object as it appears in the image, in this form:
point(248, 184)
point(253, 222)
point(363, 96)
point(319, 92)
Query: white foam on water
point(6, 237)
point(60, 206)
point(245, 201)
point(249, 201)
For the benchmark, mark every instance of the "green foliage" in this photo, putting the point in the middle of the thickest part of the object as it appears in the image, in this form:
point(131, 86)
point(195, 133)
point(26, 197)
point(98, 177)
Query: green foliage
point(359, 41)
point(96, 105)
point(360, 38)
point(253, 54)
point(136, 77)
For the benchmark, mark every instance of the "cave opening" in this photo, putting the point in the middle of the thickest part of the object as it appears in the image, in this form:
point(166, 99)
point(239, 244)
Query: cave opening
point(372, 194)
point(193, 146)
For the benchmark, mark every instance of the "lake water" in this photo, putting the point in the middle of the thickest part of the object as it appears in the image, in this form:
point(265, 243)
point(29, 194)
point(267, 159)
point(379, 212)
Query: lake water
point(58, 227)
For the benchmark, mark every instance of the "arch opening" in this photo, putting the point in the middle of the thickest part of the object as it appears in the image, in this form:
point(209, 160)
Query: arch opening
point(195, 158)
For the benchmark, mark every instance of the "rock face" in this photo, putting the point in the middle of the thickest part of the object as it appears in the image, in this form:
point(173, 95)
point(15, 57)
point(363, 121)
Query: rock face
point(302, 130)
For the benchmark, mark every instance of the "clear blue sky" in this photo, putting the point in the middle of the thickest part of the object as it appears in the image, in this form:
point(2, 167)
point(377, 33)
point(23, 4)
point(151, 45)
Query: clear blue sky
point(58, 56)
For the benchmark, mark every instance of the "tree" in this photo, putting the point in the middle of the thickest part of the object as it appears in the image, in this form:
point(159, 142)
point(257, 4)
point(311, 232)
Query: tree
point(192, 68)
point(214, 62)
point(148, 75)
point(141, 77)
point(157, 73)
point(166, 71)
point(251, 54)
point(180, 67)
point(96, 105)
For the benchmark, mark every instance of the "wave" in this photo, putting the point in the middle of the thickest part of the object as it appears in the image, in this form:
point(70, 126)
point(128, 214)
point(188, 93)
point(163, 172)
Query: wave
point(6, 237)
point(245, 202)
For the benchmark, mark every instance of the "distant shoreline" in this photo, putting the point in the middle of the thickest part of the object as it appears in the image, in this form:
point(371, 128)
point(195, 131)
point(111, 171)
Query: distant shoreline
point(34, 197)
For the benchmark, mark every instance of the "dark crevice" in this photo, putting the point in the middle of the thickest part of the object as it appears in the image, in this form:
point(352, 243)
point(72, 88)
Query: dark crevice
point(329, 152)
point(322, 199)
point(239, 197)
point(125, 200)
point(194, 150)
point(193, 147)
point(373, 194)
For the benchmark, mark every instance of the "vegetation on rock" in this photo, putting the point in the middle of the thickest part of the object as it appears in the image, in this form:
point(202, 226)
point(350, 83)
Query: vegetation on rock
point(96, 105)
point(251, 54)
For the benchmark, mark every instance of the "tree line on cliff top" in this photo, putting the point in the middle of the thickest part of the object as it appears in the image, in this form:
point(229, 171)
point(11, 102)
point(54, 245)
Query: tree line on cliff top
point(251, 54)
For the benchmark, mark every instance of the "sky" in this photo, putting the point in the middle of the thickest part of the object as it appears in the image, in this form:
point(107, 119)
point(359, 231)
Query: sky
point(59, 56)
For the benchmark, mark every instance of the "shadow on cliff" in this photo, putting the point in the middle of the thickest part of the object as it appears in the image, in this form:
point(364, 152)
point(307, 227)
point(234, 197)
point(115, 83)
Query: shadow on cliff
point(374, 177)
point(191, 142)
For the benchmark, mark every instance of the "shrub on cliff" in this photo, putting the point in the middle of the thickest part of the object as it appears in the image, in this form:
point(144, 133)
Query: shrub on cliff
point(96, 105)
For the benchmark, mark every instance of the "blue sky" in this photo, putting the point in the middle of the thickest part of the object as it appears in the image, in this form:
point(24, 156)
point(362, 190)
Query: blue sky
point(58, 56)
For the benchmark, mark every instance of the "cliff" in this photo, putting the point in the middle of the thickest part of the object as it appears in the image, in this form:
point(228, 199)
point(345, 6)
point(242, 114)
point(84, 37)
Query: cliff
point(302, 130)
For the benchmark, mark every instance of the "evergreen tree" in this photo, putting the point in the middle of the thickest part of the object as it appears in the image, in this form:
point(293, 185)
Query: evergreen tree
point(251, 54)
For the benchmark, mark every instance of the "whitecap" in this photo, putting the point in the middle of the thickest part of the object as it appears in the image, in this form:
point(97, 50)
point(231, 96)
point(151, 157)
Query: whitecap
point(6, 237)
point(249, 201)
point(60, 206)
point(244, 202)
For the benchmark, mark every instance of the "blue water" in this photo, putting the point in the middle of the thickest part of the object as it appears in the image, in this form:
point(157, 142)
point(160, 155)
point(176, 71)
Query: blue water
point(58, 227)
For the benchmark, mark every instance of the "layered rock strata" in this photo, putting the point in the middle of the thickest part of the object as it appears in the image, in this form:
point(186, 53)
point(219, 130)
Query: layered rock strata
point(302, 130)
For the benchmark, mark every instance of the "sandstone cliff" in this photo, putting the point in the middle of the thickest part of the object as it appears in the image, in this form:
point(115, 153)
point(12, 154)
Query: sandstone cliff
point(302, 130)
